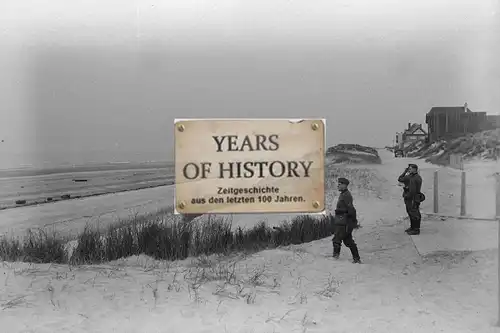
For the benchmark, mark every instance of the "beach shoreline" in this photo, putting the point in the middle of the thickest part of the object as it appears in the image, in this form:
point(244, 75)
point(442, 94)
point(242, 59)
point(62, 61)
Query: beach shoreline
point(37, 203)
point(21, 188)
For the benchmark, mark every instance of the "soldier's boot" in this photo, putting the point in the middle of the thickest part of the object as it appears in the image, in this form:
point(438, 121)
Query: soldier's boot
point(355, 254)
point(410, 228)
point(336, 251)
point(416, 226)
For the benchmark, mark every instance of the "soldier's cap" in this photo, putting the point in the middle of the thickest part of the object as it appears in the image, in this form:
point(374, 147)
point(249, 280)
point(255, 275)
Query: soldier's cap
point(343, 181)
point(413, 166)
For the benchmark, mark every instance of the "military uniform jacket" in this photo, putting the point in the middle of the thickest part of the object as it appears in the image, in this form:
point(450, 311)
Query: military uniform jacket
point(413, 185)
point(345, 213)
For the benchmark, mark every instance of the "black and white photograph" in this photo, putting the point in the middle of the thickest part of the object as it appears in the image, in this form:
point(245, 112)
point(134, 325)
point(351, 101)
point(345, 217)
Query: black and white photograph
point(128, 203)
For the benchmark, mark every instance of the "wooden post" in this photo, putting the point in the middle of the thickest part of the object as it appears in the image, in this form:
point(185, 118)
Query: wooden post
point(497, 214)
point(436, 192)
point(463, 201)
point(498, 198)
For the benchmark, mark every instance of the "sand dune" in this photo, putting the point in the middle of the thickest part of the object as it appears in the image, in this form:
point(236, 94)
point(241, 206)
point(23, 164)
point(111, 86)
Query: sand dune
point(292, 289)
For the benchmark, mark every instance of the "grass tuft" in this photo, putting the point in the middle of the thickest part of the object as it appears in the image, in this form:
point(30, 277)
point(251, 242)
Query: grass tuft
point(37, 246)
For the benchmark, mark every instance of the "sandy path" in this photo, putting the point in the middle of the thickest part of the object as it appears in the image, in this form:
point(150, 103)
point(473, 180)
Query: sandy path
point(480, 180)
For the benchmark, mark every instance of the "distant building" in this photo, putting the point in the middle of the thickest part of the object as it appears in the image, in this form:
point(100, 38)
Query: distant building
point(399, 139)
point(414, 132)
point(457, 120)
point(494, 120)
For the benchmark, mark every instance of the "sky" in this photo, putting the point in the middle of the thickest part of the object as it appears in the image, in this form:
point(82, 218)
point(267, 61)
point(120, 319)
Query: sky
point(96, 81)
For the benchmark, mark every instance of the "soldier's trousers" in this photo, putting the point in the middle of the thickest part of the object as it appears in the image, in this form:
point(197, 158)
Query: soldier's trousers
point(413, 210)
point(343, 234)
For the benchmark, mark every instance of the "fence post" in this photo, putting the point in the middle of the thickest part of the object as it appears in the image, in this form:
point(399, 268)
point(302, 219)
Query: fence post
point(498, 197)
point(436, 192)
point(463, 201)
point(497, 216)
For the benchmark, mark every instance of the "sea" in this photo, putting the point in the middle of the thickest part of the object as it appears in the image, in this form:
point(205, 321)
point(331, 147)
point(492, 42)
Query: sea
point(14, 164)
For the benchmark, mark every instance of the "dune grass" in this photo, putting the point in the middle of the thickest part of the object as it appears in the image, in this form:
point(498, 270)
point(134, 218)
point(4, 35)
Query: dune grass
point(484, 145)
point(162, 236)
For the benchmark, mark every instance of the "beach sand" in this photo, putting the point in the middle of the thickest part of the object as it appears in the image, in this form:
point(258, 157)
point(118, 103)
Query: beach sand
point(296, 288)
point(37, 185)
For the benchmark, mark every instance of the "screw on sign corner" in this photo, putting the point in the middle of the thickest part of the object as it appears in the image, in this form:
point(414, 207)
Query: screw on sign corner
point(315, 126)
point(315, 204)
point(181, 205)
point(181, 128)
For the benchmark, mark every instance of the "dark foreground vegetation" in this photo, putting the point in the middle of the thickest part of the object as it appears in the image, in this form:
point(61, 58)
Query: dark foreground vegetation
point(162, 236)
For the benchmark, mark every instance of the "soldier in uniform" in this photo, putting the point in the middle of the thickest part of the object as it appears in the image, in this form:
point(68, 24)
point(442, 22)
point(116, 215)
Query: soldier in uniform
point(345, 222)
point(411, 195)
